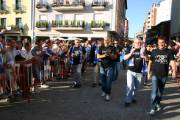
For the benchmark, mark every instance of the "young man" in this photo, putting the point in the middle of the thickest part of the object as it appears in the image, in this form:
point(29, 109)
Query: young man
point(107, 54)
point(77, 57)
point(38, 53)
point(97, 65)
point(159, 65)
point(134, 75)
point(118, 49)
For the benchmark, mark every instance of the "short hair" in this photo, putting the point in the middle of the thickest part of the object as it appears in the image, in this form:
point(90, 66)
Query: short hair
point(137, 39)
point(27, 44)
point(38, 41)
point(162, 38)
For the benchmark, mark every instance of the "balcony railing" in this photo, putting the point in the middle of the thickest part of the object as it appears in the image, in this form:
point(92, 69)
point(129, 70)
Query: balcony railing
point(19, 9)
point(98, 25)
point(68, 25)
point(60, 6)
point(42, 25)
point(42, 7)
point(2, 27)
point(4, 9)
point(17, 28)
point(99, 5)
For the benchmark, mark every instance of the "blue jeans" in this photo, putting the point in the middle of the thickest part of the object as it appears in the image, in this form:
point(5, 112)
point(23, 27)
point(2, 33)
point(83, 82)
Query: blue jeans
point(133, 83)
point(77, 73)
point(106, 78)
point(158, 85)
point(116, 70)
point(97, 73)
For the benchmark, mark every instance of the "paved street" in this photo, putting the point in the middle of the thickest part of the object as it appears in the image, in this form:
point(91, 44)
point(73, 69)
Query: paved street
point(61, 102)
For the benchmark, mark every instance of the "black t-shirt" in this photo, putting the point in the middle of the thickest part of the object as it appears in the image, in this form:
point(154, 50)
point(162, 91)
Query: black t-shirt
point(107, 61)
point(126, 49)
point(136, 61)
point(118, 51)
point(92, 53)
point(78, 54)
point(160, 61)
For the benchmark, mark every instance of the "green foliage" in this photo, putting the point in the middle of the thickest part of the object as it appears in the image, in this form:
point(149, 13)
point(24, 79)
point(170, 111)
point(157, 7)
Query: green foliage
point(42, 24)
point(97, 24)
point(4, 11)
point(57, 23)
point(66, 23)
point(26, 29)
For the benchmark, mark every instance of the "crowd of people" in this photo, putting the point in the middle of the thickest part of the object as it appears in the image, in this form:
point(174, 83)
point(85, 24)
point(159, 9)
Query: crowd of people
point(24, 66)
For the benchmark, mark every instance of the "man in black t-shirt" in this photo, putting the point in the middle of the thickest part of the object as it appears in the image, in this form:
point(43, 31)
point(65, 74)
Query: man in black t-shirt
point(77, 57)
point(118, 50)
point(159, 65)
point(126, 49)
point(107, 54)
point(134, 75)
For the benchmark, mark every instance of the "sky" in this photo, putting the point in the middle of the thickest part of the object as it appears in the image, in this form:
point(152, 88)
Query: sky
point(136, 13)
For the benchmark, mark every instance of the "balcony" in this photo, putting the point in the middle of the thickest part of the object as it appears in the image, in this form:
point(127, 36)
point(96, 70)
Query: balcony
point(4, 9)
point(99, 5)
point(42, 7)
point(60, 6)
point(68, 25)
point(98, 25)
point(19, 9)
point(42, 25)
point(2, 27)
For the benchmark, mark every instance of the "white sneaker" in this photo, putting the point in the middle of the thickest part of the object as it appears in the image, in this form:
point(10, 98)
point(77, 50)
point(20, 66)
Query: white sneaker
point(107, 98)
point(32, 89)
point(158, 108)
point(152, 112)
point(103, 94)
point(5, 100)
point(44, 86)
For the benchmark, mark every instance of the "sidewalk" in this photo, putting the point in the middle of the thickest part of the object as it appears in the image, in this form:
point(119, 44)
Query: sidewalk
point(61, 102)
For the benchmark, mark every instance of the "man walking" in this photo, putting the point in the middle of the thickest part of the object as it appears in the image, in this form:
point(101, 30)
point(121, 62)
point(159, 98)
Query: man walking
point(134, 75)
point(107, 54)
point(159, 65)
point(77, 56)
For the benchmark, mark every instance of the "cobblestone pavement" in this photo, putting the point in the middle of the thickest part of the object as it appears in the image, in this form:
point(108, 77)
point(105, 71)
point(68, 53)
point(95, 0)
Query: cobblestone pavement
point(61, 102)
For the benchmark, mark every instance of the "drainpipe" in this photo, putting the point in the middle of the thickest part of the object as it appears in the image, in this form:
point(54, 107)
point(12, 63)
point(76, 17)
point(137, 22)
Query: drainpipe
point(33, 20)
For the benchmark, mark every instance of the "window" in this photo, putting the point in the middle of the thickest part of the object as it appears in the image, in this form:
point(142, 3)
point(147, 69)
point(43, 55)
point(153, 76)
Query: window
point(3, 22)
point(2, 4)
point(18, 4)
point(59, 17)
point(43, 18)
point(19, 22)
point(98, 2)
point(43, 1)
point(76, 1)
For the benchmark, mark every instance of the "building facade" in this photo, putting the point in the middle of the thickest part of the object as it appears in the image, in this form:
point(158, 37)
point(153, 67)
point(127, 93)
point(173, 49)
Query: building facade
point(175, 20)
point(80, 18)
point(164, 11)
point(149, 22)
point(126, 29)
point(15, 16)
